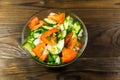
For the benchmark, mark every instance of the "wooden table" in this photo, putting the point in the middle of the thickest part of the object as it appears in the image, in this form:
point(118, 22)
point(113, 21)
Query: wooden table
point(100, 60)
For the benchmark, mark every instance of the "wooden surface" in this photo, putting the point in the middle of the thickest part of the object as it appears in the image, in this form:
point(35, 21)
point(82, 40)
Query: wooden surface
point(100, 60)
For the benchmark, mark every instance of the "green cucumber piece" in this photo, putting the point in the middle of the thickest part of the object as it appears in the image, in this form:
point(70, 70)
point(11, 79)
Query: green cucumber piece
point(36, 41)
point(30, 39)
point(60, 45)
point(28, 47)
point(80, 33)
point(56, 49)
point(50, 58)
point(62, 34)
point(47, 27)
point(57, 60)
point(62, 27)
point(40, 30)
point(76, 27)
point(53, 59)
point(68, 22)
point(36, 35)
point(48, 21)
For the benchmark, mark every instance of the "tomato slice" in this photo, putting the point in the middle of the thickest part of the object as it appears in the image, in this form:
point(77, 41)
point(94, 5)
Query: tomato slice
point(48, 33)
point(53, 39)
point(68, 37)
point(44, 56)
point(72, 43)
point(39, 49)
point(38, 25)
point(53, 17)
point(35, 23)
point(57, 17)
point(68, 55)
point(61, 18)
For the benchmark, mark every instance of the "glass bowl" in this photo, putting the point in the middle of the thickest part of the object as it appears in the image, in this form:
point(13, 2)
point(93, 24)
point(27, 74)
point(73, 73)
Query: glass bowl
point(44, 13)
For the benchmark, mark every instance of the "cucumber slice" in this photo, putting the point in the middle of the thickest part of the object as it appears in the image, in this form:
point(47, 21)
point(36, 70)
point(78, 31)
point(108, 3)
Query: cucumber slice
point(40, 30)
point(50, 58)
point(28, 47)
point(47, 27)
point(60, 45)
point(62, 34)
point(30, 39)
point(57, 60)
point(31, 33)
point(68, 22)
point(61, 27)
point(56, 49)
point(36, 35)
point(36, 41)
point(48, 21)
point(80, 33)
point(76, 27)
point(53, 59)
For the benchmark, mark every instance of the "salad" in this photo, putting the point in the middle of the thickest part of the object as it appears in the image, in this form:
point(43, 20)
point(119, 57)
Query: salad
point(56, 39)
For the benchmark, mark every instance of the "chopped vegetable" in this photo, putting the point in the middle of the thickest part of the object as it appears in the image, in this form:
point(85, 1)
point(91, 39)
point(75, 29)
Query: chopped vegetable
point(72, 43)
point(68, 22)
point(44, 55)
point(61, 18)
point(80, 44)
point(49, 21)
point(56, 48)
point(68, 37)
point(35, 23)
point(76, 27)
point(68, 55)
point(57, 17)
point(28, 47)
point(38, 50)
point(39, 25)
point(48, 33)
point(53, 39)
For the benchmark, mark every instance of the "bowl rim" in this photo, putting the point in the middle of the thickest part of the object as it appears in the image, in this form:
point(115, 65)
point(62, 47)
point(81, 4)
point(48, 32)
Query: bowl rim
point(80, 51)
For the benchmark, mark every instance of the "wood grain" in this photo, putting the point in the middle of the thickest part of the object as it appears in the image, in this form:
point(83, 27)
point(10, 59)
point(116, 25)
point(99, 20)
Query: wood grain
point(13, 68)
point(100, 60)
point(82, 4)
